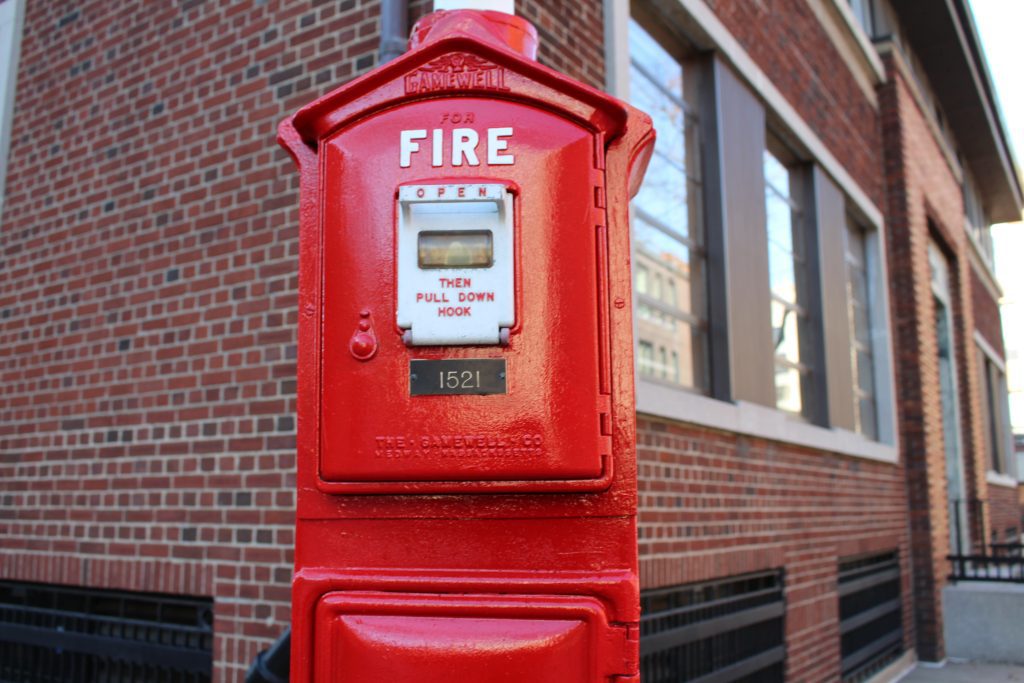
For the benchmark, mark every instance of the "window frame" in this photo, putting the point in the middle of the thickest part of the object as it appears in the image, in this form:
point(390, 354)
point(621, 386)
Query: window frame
point(1000, 464)
point(727, 64)
point(803, 258)
point(864, 12)
point(869, 266)
point(12, 19)
point(653, 298)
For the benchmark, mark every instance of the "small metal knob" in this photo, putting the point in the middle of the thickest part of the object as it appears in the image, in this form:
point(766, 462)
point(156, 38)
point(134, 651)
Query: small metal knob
point(363, 344)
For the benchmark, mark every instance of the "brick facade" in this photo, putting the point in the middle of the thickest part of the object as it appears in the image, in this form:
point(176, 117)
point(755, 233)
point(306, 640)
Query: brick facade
point(147, 321)
point(716, 504)
point(1020, 501)
point(148, 316)
point(986, 314)
point(925, 204)
point(789, 44)
point(917, 384)
point(1004, 512)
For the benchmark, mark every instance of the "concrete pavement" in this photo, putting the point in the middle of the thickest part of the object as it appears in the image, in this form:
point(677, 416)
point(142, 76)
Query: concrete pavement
point(966, 672)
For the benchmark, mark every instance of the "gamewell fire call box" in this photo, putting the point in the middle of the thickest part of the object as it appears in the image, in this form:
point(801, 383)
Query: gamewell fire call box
point(466, 459)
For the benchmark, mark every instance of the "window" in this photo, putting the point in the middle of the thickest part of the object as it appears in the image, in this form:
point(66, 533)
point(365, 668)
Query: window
point(743, 286)
point(862, 11)
point(728, 629)
point(668, 222)
point(993, 388)
point(956, 479)
point(975, 220)
point(79, 635)
point(646, 358)
point(870, 614)
point(11, 13)
point(862, 355)
point(787, 270)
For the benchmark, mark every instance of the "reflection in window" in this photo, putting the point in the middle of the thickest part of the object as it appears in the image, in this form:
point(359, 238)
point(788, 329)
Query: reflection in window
point(646, 357)
point(787, 272)
point(642, 278)
point(865, 406)
point(667, 220)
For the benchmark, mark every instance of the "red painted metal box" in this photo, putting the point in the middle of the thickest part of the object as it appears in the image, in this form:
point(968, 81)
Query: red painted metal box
point(466, 470)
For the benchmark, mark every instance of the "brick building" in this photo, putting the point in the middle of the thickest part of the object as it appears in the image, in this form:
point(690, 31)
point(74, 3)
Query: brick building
point(819, 351)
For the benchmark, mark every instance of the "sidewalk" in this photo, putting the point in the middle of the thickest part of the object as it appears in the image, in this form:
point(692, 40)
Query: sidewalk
point(966, 672)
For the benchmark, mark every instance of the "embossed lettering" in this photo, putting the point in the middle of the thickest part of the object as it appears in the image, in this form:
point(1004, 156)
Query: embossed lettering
point(464, 446)
point(458, 71)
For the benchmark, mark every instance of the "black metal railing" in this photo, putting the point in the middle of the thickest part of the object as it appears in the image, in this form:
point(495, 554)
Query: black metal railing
point(59, 634)
point(725, 631)
point(870, 614)
point(982, 562)
point(1007, 568)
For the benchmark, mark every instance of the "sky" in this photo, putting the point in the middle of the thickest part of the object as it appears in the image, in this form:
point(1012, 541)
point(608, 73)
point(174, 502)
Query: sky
point(999, 25)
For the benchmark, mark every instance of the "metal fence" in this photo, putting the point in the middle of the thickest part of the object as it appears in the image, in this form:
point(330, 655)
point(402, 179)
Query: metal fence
point(1007, 568)
point(870, 614)
point(992, 562)
point(58, 634)
point(726, 631)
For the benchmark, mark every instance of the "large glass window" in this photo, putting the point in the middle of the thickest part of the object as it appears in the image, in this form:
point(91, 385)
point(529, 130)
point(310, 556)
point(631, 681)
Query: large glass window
point(975, 220)
point(993, 386)
point(863, 358)
point(667, 220)
point(787, 269)
point(956, 479)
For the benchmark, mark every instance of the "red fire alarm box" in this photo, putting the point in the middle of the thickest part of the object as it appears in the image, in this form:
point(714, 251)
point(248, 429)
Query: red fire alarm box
point(466, 471)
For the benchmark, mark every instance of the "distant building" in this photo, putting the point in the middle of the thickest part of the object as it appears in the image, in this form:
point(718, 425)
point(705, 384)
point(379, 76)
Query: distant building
point(820, 363)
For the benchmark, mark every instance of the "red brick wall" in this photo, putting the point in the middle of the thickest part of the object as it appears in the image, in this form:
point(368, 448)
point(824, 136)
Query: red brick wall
point(790, 45)
point(147, 327)
point(571, 36)
point(986, 314)
point(1020, 502)
point(715, 504)
point(925, 202)
point(1004, 512)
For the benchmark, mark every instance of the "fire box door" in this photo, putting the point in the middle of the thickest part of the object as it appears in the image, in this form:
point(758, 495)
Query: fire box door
point(465, 341)
point(439, 638)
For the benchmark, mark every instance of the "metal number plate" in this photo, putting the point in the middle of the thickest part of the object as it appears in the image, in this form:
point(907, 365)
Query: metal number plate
point(457, 376)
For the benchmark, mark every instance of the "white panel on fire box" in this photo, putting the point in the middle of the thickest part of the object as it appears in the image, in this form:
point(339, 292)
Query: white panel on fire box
point(455, 264)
